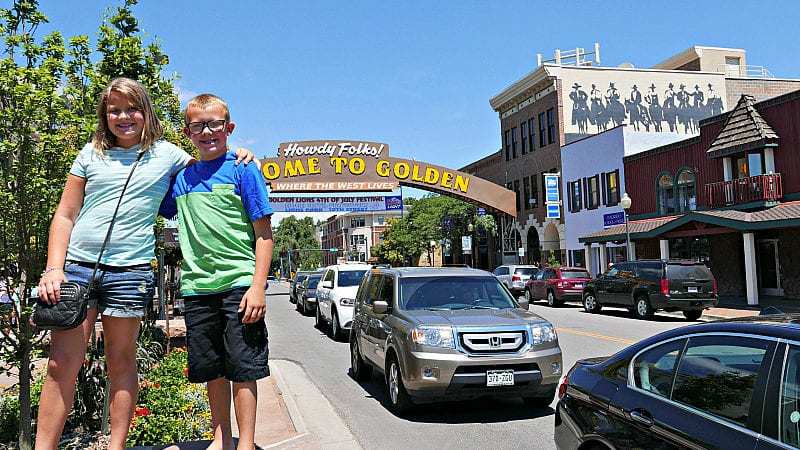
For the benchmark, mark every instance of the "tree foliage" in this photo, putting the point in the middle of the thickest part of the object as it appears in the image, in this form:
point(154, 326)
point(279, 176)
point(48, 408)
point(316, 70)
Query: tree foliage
point(432, 218)
point(48, 92)
point(298, 236)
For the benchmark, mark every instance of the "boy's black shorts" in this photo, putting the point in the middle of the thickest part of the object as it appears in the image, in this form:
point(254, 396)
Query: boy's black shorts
point(219, 344)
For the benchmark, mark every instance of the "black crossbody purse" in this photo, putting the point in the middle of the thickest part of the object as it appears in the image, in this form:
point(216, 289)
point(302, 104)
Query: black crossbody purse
point(70, 310)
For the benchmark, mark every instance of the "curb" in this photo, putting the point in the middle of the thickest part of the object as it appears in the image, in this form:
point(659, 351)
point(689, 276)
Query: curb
point(311, 413)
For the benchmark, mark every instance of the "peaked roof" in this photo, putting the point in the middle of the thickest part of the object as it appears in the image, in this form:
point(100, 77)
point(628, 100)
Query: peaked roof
point(744, 130)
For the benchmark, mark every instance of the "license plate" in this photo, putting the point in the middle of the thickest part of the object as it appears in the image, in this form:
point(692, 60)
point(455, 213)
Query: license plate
point(499, 378)
point(578, 285)
point(692, 289)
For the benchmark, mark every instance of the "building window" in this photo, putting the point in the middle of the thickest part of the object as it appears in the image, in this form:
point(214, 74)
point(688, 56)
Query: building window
point(507, 143)
point(523, 135)
point(519, 198)
point(612, 188)
point(575, 190)
point(357, 239)
point(514, 142)
point(356, 222)
point(380, 220)
point(593, 192)
point(531, 133)
point(542, 136)
point(533, 200)
point(687, 191)
point(551, 126)
point(526, 190)
point(666, 194)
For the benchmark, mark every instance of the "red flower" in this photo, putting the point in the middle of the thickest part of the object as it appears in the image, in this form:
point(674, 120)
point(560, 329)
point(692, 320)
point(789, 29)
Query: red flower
point(186, 371)
point(141, 411)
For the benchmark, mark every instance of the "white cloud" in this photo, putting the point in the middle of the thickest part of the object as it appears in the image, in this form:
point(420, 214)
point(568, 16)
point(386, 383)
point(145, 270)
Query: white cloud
point(185, 94)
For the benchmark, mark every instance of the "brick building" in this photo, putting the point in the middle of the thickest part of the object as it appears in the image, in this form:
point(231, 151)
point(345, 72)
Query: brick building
point(729, 197)
point(571, 97)
point(353, 235)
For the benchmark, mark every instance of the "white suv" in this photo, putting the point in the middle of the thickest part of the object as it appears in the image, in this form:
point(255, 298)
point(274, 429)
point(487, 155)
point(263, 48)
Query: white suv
point(336, 295)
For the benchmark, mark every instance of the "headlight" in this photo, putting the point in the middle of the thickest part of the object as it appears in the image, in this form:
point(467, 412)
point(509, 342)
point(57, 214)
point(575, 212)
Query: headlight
point(433, 336)
point(542, 332)
point(346, 301)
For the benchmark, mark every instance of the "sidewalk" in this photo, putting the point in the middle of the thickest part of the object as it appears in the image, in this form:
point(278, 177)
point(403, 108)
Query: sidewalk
point(736, 307)
point(292, 414)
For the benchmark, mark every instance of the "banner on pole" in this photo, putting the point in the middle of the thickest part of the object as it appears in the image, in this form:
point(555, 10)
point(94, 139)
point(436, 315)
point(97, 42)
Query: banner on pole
point(337, 204)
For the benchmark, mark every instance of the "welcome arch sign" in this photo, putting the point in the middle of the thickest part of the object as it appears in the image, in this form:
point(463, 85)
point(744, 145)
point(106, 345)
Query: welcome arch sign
point(360, 166)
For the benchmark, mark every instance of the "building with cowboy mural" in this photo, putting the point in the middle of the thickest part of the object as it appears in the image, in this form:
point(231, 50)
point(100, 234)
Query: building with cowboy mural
point(572, 96)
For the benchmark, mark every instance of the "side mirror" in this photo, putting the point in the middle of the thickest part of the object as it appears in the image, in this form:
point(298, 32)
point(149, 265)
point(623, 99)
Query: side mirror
point(380, 307)
point(523, 304)
point(327, 284)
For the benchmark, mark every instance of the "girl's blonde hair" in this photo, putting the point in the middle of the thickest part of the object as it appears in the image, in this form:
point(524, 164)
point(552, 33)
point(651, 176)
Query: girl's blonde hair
point(137, 94)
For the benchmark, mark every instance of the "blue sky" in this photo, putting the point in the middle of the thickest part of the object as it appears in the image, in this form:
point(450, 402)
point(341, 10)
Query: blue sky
point(417, 75)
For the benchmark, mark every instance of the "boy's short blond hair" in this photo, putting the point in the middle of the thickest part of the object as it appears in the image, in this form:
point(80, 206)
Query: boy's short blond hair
point(203, 101)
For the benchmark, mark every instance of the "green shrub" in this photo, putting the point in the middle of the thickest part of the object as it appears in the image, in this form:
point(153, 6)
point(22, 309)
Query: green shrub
point(170, 409)
point(9, 418)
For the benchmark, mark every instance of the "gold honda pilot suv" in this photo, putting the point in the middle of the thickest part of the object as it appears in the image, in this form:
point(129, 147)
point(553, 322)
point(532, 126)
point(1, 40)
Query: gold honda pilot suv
point(451, 334)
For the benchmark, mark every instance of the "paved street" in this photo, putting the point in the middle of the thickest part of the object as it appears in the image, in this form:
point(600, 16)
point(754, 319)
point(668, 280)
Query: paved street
point(476, 424)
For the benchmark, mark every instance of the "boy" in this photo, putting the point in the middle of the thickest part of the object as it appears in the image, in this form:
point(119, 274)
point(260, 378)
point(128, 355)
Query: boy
point(226, 241)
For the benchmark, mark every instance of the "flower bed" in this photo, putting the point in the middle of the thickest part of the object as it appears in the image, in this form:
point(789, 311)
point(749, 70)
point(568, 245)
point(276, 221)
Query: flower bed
point(170, 409)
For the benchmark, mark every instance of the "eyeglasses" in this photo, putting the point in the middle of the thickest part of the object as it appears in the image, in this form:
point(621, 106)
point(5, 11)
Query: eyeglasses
point(213, 126)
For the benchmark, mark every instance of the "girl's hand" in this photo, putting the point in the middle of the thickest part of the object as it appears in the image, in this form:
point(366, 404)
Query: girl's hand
point(50, 286)
point(246, 156)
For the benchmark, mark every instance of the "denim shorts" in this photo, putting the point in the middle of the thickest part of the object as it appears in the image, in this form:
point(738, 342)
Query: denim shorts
point(118, 291)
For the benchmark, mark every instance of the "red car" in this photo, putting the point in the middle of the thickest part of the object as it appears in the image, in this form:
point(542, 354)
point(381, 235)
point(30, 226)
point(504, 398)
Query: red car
point(557, 285)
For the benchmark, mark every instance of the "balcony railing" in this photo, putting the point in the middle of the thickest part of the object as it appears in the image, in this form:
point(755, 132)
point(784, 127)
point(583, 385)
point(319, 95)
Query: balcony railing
point(768, 188)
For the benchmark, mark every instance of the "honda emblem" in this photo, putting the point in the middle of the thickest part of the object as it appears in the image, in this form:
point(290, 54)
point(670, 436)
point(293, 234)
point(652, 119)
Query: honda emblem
point(495, 341)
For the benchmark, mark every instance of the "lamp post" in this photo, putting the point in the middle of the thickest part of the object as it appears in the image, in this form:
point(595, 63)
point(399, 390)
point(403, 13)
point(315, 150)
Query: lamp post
point(625, 202)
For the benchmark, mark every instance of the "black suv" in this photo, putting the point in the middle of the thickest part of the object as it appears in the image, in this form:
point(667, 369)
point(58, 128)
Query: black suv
point(720, 385)
point(648, 285)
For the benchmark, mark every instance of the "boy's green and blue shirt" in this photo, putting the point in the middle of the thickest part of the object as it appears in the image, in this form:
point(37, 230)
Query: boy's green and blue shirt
point(216, 202)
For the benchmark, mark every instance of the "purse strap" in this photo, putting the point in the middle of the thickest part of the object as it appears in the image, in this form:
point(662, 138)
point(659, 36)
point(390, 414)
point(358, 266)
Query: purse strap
point(113, 219)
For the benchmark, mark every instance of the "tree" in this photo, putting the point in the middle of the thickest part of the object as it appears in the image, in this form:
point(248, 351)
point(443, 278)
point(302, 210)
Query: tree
point(432, 218)
point(47, 113)
point(298, 236)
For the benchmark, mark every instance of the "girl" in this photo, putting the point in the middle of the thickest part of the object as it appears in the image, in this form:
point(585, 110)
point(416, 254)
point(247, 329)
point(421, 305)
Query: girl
point(126, 126)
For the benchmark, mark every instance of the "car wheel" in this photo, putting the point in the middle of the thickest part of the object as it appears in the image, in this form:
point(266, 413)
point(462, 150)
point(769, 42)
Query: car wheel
point(319, 321)
point(359, 370)
point(336, 327)
point(590, 303)
point(552, 301)
point(528, 296)
point(298, 306)
point(643, 309)
point(693, 314)
point(398, 397)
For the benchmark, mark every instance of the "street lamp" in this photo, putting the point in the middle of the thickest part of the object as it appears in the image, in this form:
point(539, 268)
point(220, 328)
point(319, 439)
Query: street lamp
point(625, 202)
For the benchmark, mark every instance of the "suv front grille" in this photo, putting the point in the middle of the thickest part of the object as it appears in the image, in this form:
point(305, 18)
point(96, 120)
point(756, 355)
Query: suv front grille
point(492, 342)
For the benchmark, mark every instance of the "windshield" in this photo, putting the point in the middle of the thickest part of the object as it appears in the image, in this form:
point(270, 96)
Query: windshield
point(313, 281)
point(688, 272)
point(525, 271)
point(448, 293)
point(574, 274)
point(351, 277)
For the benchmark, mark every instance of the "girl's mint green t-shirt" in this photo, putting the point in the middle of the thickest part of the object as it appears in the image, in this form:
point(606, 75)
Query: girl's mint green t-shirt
point(132, 240)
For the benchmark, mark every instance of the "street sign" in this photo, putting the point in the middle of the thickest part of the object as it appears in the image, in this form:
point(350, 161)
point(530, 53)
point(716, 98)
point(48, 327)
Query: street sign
point(333, 250)
point(481, 211)
point(552, 194)
point(611, 219)
point(553, 211)
point(521, 251)
point(466, 244)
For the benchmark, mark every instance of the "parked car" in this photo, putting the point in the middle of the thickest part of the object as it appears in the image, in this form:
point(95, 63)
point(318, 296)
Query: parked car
point(515, 276)
point(726, 385)
point(307, 294)
point(298, 279)
point(648, 285)
point(446, 334)
point(557, 284)
point(336, 295)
